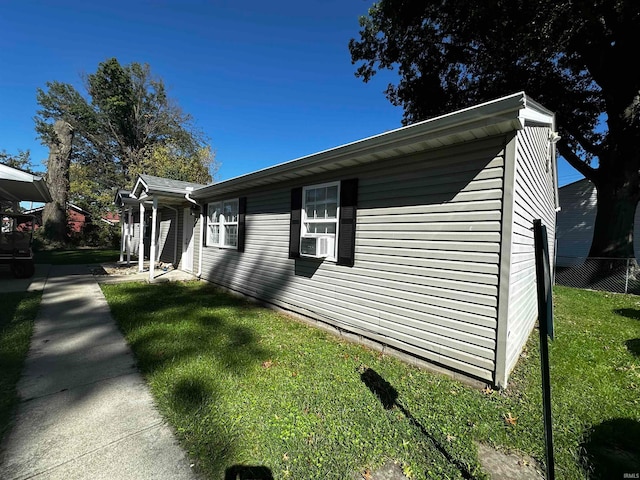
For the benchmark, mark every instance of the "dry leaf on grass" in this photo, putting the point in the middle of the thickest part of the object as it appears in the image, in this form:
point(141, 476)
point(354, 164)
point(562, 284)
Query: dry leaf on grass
point(509, 419)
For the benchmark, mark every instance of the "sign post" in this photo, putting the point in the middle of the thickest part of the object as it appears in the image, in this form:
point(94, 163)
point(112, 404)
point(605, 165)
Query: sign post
point(545, 326)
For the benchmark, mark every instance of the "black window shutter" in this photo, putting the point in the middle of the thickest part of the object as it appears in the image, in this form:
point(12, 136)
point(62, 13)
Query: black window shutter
point(347, 231)
point(242, 210)
point(294, 226)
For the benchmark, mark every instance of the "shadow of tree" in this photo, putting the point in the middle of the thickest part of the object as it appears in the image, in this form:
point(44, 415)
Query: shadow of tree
point(183, 336)
point(632, 313)
point(191, 393)
point(633, 346)
point(612, 448)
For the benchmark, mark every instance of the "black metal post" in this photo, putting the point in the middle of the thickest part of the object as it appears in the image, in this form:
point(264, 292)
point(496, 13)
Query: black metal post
point(544, 298)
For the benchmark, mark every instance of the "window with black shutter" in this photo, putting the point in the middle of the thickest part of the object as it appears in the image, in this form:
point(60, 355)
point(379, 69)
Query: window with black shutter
point(323, 221)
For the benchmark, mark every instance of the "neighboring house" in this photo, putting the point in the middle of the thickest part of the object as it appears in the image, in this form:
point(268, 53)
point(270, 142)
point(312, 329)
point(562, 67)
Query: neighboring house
point(576, 220)
point(77, 218)
point(418, 240)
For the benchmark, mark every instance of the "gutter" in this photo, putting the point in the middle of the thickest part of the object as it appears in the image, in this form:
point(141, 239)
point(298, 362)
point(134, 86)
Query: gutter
point(187, 196)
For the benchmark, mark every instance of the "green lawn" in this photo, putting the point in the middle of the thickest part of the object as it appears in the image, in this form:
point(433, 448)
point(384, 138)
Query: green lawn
point(16, 326)
point(76, 257)
point(243, 385)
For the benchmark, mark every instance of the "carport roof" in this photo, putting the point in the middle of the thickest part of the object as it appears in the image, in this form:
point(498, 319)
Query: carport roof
point(18, 186)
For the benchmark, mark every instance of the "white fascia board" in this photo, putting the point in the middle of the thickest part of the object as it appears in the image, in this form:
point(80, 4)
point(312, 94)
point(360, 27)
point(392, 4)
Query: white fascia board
point(140, 183)
point(10, 173)
point(535, 114)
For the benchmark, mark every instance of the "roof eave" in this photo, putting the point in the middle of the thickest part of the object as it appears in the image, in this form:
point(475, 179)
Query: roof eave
point(505, 114)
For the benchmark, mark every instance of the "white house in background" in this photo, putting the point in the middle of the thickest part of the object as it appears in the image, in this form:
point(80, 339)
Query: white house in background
point(418, 241)
point(576, 220)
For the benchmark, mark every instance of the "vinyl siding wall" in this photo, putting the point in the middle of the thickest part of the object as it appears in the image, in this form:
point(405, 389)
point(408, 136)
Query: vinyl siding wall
point(534, 197)
point(166, 236)
point(426, 258)
point(576, 221)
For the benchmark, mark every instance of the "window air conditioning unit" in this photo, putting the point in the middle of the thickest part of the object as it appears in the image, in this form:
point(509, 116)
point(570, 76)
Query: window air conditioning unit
point(317, 247)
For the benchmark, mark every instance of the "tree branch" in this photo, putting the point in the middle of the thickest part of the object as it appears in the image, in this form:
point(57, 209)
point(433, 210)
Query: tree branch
point(579, 164)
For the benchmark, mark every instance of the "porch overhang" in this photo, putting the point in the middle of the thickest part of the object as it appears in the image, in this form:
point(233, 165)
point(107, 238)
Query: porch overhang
point(19, 186)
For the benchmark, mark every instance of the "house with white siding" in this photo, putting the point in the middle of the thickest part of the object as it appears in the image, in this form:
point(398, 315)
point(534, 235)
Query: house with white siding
point(417, 241)
point(576, 221)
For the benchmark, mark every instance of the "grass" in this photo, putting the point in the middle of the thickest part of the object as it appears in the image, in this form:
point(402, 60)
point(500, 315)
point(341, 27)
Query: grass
point(76, 257)
point(243, 385)
point(16, 326)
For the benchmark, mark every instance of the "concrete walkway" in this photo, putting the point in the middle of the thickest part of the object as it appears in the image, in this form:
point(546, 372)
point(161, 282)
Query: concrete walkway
point(85, 411)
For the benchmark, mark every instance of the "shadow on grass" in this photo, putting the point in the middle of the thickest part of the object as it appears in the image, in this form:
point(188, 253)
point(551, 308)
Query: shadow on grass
point(187, 337)
point(632, 313)
point(633, 346)
point(192, 322)
point(191, 394)
point(612, 448)
point(388, 396)
point(248, 472)
point(16, 327)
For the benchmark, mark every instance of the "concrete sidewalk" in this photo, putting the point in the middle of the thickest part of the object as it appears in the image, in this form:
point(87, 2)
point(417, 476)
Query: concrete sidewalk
point(85, 411)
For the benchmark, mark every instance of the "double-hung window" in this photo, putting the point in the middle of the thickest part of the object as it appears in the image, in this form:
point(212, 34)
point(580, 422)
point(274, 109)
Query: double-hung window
point(320, 214)
point(222, 224)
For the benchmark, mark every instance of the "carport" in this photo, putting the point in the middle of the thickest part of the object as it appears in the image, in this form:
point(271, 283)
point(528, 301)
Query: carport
point(19, 186)
point(15, 246)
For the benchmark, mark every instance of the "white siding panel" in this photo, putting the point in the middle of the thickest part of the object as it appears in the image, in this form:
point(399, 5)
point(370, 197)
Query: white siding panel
point(166, 236)
point(533, 198)
point(576, 220)
point(426, 261)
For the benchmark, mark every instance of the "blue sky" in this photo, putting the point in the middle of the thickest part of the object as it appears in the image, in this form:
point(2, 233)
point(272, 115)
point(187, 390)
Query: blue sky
point(266, 82)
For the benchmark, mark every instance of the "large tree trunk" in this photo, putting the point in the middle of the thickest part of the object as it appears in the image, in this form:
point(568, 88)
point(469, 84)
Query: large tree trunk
point(613, 231)
point(54, 216)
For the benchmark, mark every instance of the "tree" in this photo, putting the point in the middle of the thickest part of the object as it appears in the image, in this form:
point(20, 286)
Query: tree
point(572, 56)
point(170, 161)
point(136, 117)
point(21, 161)
point(54, 215)
point(125, 125)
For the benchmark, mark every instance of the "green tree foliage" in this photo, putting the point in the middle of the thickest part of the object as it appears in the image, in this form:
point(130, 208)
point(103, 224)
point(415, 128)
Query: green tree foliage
point(122, 125)
point(21, 160)
point(571, 56)
point(169, 161)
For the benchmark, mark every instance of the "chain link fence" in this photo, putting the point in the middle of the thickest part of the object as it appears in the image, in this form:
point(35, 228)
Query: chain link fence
point(620, 275)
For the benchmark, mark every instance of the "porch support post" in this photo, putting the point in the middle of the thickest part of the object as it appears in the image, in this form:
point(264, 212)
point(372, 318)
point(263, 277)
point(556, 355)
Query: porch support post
point(152, 250)
point(141, 242)
point(129, 233)
point(122, 234)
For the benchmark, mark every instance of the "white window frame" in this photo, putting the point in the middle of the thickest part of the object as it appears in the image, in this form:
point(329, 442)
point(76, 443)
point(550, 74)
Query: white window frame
point(222, 223)
point(304, 220)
